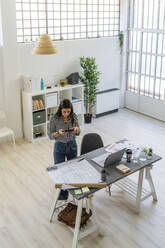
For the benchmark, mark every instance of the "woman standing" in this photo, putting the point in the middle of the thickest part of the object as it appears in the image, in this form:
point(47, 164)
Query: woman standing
point(64, 128)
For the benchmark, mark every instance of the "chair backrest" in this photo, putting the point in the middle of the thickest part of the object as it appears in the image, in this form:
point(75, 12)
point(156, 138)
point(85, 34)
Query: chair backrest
point(90, 142)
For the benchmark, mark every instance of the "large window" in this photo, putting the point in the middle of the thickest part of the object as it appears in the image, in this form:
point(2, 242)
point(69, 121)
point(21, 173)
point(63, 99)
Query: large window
point(67, 19)
point(146, 63)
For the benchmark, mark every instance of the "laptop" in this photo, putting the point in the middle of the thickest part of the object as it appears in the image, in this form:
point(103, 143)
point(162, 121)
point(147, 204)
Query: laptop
point(114, 158)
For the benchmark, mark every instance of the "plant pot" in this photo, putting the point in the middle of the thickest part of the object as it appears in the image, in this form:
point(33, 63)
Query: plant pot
point(87, 118)
point(149, 157)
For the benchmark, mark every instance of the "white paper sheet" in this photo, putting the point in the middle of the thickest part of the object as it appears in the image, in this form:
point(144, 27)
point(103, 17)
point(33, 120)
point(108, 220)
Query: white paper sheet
point(119, 146)
point(75, 172)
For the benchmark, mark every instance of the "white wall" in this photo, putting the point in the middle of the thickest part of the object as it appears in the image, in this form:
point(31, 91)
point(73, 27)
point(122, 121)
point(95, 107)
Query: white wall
point(1, 82)
point(10, 67)
point(106, 51)
point(1, 64)
point(18, 59)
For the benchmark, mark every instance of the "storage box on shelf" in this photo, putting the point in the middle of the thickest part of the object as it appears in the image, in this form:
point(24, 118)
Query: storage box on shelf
point(39, 131)
point(39, 106)
point(51, 99)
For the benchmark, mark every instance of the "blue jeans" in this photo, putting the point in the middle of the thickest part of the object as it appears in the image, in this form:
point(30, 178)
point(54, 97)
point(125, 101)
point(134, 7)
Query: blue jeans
point(61, 152)
point(64, 150)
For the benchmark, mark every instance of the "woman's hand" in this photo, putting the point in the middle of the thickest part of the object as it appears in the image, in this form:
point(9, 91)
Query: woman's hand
point(61, 132)
point(76, 130)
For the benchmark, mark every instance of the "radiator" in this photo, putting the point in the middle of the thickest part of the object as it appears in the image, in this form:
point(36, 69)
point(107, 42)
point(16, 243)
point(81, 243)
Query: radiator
point(107, 102)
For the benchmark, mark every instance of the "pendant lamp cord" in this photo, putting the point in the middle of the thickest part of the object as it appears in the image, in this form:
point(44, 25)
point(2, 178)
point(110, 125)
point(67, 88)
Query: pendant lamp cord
point(46, 11)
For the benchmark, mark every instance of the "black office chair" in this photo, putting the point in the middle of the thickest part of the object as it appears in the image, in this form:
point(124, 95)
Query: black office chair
point(90, 142)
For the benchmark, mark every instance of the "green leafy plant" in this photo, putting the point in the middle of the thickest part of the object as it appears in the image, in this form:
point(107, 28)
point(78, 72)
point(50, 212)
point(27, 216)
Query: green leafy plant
point(62, 83)
point(150, 152)
point(145, 149)
point(121, 40)
point(90, 78)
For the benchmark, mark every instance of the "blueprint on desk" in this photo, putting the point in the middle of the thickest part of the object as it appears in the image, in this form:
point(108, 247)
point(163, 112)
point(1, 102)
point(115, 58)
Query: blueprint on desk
point(75, 172)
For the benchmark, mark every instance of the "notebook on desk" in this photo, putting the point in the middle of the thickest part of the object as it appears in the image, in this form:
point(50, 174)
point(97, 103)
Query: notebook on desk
point(123, 168)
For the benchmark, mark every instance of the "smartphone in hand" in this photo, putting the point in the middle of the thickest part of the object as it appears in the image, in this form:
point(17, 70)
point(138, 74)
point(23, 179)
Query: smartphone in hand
point(68, 130)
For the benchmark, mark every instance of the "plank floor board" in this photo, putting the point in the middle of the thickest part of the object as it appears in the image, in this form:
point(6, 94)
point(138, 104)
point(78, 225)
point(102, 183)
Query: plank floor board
point(26, 192)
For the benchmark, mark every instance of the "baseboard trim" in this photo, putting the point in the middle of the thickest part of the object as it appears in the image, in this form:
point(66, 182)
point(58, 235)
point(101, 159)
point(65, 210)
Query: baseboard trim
point(107, 113)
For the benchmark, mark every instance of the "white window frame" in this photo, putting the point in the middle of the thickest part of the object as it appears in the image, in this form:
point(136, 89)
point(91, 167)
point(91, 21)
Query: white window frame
point(141, 39)
point(67, 19)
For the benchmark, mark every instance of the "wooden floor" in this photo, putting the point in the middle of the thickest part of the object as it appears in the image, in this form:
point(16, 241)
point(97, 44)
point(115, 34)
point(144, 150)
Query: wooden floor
point(26, 193)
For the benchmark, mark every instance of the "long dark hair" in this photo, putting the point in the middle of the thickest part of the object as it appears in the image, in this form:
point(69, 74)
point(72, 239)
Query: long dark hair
point(65, 103)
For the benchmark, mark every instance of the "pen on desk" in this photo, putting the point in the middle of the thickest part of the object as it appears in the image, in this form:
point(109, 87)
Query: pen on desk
point(53, 167)
point(80, 159)
point(111, 146)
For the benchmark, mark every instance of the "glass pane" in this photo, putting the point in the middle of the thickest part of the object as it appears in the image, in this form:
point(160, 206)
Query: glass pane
point(163, 66)
point(155, 15)
point(161, 15)
point(145, 18)
point(162, 90)
point(160, 44)
point(142, 85)
point(143, 63)
point(151, 13)
point(145, 42)
point(152, 68)
point(149, 44)
point(146, 86)
point(154, 41)
point(151, 87)
point(33, 13)
point(157, 88)
point(158, 68)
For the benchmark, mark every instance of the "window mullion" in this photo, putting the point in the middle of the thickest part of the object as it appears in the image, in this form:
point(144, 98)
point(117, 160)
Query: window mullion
point(23, 33)
point(162, 54)
point(140, 53)
point(128, 39)
point(46, 15)
point(156, 58)
point(61, 20)
point(151, 46)
point(87, 18)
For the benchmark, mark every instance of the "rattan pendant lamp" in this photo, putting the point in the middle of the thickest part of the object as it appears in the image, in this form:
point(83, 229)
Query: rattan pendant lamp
point(45, 46)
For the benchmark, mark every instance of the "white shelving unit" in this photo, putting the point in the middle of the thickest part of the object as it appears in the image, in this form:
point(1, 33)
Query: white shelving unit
point(38, 121)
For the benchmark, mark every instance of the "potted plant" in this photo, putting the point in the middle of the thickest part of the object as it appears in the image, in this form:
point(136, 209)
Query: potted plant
point(63, 82)
point(145, 150)
point(121, 40)
point(149, 153)
point(90, 78)
point(143, 155)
